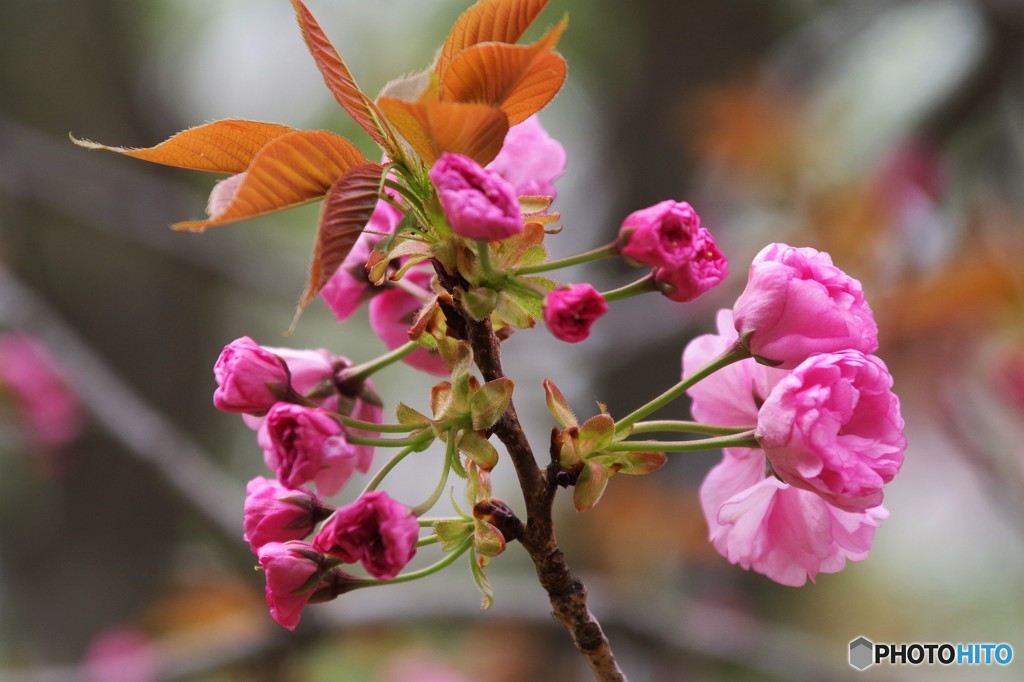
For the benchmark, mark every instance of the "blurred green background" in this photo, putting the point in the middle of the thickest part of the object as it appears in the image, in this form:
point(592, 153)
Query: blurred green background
point(889, 133)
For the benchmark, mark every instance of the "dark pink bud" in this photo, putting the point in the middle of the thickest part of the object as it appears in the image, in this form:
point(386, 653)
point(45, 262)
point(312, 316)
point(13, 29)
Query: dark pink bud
point(374, 530)
point(249, 378)
point(701, 272)
point(307, 445)
point(570, 311)
point(293, 571)
point(274, 513)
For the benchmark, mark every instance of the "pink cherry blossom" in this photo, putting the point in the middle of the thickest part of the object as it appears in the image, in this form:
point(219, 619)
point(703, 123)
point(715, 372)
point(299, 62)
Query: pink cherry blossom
point(293, 571)
point(274, 513)
point(777, 530)
point(797, 303)
point(312, 371)
point(478, 203)
point(249, 378)
point(374, 530)
point(833, 426)
point(306, 445)
point(392, 313)
point(660, 236)
point(731, 396)
point(50, 412)
point(349, 287)
point(571, 310)
point(699, 274)
point(530, 160)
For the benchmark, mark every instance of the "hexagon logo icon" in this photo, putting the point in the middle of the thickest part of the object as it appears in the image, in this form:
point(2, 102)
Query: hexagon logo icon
point(862, 653)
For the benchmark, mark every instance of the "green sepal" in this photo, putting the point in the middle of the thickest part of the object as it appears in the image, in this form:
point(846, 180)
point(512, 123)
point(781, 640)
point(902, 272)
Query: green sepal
point(488, 540)
point(478, 449)
point(476, 566)
point(632, 463)
point(457, 356)
point(589, 486)
point(406, 416)
point(596, 434)
point(510, 308)
point(558, 405)
point(490, 402)
point(452, 533)
point(480, 302)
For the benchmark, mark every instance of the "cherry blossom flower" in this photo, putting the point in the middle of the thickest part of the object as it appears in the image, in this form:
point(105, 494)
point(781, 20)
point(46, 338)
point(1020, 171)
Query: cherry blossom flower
point(374, 530)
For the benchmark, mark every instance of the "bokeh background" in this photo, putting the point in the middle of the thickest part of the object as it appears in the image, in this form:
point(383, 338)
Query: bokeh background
point(887, 132)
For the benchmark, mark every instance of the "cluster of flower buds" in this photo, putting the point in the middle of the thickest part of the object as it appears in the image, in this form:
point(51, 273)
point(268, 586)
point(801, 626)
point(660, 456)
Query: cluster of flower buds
point(445, 240)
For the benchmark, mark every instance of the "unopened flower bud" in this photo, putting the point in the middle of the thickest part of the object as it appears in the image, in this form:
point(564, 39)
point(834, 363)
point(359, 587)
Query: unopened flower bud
point(571, 310)
point(374, 530)
point(478, 203)
point(249, 378)
point(274, 513)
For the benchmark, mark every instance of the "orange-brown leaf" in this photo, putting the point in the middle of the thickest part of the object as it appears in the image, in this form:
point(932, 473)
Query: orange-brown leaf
point(502, 21)
point(347, 208)
point(220, 147)
point(289, 170)
point(432, 127)
point(521, 79)
point(339, 79)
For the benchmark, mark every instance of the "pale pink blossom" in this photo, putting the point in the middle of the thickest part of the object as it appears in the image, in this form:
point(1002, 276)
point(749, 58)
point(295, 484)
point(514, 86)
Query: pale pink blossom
point(797, 302)
point(732, 395)
point(311, 371)
point(530, 160)
point(293, 572)
point(50, 412)
point(249, 378)
point(274, 513)
point(571, 310)
point(374, 530)
point(478, 203)
point(121, 655)
point(785, 533)
point(350, 286)
point(392, 313)
point(307, 445)
point(833, 426)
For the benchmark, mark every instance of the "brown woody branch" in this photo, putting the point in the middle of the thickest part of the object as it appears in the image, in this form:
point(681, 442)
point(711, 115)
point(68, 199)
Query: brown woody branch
point(567, 594)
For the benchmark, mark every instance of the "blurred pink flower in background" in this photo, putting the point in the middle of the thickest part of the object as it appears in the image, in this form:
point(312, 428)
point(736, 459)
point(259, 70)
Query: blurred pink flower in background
point(392, 313)
point(49, 411)
point(121, 655)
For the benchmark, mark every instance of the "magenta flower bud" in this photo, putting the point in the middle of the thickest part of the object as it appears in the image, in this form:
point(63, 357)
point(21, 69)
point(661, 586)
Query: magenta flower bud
point(249, 378)
point(660, 236)
point(307, 445)
point(478, 203)
point(571, 309)
point(700, 273)
point(293, 571)
point(374, 530)
point(833, 427)
point(274, 513)
point(778, 530)
point(797, 303)
point(530, 160)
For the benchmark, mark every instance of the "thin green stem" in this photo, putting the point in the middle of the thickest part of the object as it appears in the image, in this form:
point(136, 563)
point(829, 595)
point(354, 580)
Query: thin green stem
point(483, 252)
point(732, 354)
point(374, 427)
point(677, 426)
point(745, 439)
point(427, 521)
point(378, 478)
point(429, 540)
point(360, 372)
point(411, 439)
point(450, 452)
point(641, 286)
point(429, 570)
point(606, 251)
